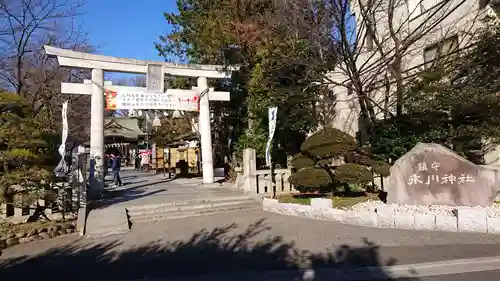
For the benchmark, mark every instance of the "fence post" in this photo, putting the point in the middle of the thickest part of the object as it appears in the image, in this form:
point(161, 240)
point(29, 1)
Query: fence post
point(249, 169)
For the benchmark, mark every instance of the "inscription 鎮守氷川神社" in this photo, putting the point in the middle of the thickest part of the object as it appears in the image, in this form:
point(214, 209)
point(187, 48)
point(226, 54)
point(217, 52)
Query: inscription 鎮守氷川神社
point(433, 176)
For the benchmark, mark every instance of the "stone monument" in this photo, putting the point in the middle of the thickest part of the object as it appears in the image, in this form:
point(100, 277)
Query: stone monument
point(431, 174)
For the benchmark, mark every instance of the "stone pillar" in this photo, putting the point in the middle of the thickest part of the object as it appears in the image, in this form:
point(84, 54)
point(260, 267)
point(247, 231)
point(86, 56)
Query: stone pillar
point(97, 133)
point(205, 133)
point(249, 170)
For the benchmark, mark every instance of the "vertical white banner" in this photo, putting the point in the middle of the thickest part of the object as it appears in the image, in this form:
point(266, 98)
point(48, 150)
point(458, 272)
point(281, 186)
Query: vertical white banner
point(62, 147)
point(273, 112)
point(62, 167)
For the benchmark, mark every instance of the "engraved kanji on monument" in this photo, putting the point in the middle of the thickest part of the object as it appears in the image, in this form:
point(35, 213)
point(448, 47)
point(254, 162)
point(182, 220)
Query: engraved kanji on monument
point(431, 174)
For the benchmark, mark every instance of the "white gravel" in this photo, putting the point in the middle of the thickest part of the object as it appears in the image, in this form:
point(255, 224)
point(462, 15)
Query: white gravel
point(371, 206)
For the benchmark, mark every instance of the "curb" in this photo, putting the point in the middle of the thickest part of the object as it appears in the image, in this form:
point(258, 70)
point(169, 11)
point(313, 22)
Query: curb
point(466, 219)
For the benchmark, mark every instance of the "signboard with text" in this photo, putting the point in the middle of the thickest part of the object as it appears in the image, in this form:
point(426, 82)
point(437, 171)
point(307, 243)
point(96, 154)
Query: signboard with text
point(152, 100)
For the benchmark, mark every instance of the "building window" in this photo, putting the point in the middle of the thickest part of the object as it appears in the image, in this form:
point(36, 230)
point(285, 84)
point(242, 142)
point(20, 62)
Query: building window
point(483, 4)
point(445, 48)
point(369, 39)
point(349, 89)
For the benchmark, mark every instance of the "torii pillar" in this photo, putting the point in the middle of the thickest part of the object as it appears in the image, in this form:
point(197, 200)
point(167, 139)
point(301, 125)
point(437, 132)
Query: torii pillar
point(98, 64)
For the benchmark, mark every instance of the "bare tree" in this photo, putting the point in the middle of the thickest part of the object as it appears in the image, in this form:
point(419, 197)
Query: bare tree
point(379, 45)
point(27, 25)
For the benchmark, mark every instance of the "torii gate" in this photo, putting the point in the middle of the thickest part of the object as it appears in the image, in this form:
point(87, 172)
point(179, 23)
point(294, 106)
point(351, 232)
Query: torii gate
point(155, 73)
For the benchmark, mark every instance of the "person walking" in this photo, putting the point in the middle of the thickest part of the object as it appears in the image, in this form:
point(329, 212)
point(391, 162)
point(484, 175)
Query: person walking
point(116, 165)
point(137, 162)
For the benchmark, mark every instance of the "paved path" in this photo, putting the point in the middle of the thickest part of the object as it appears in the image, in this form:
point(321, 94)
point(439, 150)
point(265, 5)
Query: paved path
point(144, 188)
point(253, 241)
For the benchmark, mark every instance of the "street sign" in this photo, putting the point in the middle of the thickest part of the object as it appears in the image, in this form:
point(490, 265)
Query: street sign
point(183, 101)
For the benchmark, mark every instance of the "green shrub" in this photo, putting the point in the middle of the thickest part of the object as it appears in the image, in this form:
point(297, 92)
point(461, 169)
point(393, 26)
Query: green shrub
point(311, 179)
point(352, 173)
point(300, 161)
point(329, 143)
point(314, 165)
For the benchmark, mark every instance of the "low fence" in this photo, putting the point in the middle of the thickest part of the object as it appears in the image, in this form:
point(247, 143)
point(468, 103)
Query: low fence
point(261, 182)
point(63, 200)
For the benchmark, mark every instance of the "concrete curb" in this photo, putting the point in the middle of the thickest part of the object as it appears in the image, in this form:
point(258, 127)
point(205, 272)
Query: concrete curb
point(466, 219)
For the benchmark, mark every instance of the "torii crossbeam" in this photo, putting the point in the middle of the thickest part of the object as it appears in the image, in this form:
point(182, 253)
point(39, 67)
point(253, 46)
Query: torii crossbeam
point(155, 73)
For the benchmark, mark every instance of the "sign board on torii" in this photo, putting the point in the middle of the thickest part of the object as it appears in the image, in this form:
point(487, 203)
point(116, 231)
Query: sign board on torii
point(156, 71)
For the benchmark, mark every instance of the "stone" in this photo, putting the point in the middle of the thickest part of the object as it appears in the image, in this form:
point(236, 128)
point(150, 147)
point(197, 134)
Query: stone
point(493, 225)
point(33, 237)
point(43, 229)
point(70, 230)
point(321, 203)
point(385, 216)
point(67, 225)
point(3, 245)
point(33, 232)
point(361, 218)
point(23, 240)
point(11, 242)
point(45, 235)
point(471, 220)
point(404, 221)
point(425, 222)
point(431, 174)
point(54, 233)
point(269, 203)
point(21, 234)
point(61, 232)
point(8, 235)
point(446, 223)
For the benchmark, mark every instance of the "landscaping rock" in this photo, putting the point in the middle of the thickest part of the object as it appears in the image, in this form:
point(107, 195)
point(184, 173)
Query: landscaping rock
point(493, 225)
point(33, 238)
point(33, 232)
point(364, 218)
point(70, 230)
point(23, 240)
point(446, 223)
point(425, 222)
point(7, 236)
point(471, 220)
point(269, 203)
point(61, 232)
point(21, 234)
point(43, 229)
point(431, 174)
point(321, 203)
point(3, 245)
point(54, 233)
point(11, 242)
point(404, 221)
point(45, 235)
point(385, 216)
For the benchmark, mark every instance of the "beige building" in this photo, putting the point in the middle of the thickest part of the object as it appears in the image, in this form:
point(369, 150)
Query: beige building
point(418, 31)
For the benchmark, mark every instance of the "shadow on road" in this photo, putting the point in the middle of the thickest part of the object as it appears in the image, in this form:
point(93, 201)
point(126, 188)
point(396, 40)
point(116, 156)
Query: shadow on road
point(218, 254)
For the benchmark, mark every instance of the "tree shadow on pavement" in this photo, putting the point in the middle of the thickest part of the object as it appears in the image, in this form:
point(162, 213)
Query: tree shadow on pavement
point(220, 254)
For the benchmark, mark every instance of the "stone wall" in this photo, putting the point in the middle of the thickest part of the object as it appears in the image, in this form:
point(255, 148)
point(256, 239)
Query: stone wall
point(462, 219)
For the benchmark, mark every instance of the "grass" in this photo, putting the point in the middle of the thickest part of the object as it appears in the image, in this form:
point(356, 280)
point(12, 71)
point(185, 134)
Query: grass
point(339, 200)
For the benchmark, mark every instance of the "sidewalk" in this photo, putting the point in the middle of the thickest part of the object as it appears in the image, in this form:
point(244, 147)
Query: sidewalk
point(145, 188)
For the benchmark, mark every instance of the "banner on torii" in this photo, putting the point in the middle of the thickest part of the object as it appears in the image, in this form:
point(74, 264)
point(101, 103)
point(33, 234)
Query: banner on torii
point(186, 101)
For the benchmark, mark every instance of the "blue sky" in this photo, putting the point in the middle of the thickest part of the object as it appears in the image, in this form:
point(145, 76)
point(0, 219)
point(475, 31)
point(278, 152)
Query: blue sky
point(126, 28)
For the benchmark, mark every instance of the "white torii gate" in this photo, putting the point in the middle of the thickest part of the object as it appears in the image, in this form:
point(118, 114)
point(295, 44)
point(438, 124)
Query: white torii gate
point(100, 63)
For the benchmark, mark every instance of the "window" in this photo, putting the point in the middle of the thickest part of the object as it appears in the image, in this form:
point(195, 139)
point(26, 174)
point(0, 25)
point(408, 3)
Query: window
point(369, 39)
point(483, 4)
point(349, 89)
point(444, 48)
